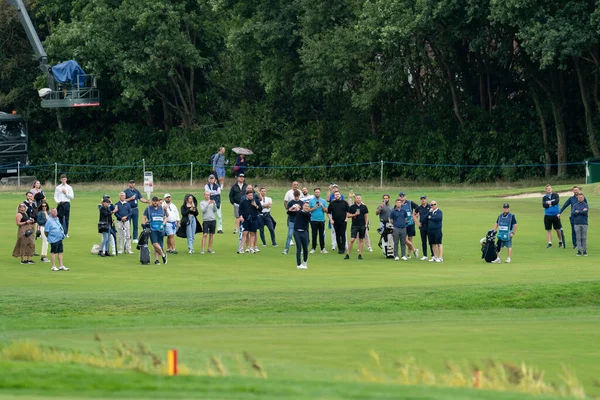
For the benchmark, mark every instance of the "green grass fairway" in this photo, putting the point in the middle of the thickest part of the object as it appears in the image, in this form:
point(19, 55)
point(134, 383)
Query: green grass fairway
point(312, 330)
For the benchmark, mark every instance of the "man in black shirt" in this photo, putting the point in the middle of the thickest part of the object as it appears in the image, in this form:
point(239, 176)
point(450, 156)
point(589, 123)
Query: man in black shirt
point(338, 212)
point(235, 196)
point(248, 209)
point(423, 224)
point(301, 223)
point(360, 218)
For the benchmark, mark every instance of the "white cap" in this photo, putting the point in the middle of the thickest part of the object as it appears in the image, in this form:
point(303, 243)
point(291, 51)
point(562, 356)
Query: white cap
point(167, 195)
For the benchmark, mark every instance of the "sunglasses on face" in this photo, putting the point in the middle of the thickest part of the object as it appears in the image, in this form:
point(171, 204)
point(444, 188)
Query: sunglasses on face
point(434, 204)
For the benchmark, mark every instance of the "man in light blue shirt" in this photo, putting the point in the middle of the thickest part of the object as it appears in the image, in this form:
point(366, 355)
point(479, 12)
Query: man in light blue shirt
point(55, 235)
point(318, 209)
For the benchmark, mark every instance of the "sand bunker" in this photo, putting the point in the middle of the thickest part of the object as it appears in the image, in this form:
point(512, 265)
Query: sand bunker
point(534, 195)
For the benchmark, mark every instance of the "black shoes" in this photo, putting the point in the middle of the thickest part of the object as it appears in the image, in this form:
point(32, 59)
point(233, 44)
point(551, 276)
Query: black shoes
point(347, 257)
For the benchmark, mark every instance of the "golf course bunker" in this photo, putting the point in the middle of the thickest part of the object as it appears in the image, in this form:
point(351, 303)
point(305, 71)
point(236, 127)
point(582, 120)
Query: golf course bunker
point(534, 195)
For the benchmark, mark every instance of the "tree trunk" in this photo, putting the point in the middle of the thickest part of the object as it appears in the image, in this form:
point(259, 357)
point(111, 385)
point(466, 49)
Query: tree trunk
point(547, 156)
point(440, 57)
point(59, 122)
point(559, 123)
point(482, 95)
point(561, 136)
point(588, 112)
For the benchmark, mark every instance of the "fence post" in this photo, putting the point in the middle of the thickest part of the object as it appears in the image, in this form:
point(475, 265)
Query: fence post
point(19, 174)
point(191, 173)
point(381, 176)
point(143, 167)
point(55, 174)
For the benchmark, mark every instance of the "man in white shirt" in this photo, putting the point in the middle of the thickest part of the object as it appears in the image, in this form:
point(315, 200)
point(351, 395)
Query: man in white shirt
point(265, 218)
point(63, 194)
point(305, 196)
point(173, 222)
point(289, 195)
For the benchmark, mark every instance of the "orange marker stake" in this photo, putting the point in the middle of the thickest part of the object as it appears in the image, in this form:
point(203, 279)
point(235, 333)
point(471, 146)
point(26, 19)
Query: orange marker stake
point(172, 362)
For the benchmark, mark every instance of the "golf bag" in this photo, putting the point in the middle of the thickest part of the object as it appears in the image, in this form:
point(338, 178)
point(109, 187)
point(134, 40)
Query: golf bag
point(386, 241)
point(489, 249)
point(142, 246)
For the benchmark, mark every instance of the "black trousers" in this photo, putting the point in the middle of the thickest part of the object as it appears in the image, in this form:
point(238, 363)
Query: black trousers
point(340, 234)
point(64, 211)
point(424, 234)
point(318, 227)
point(266, 220)
point(301, 238)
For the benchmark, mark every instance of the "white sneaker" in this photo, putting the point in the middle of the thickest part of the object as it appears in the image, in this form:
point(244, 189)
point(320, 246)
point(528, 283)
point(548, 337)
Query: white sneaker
point(497, 261)
point(424, 258)
point(305, 265)
point(370, 249)
point(251, 251)
point(439, 260)
point(54, 268)
point(333, 248)
point(284, 252)
point(130, 252)
point(397, 259)
point(292, 243)
point(256, 250)
point(416, 253)
point(302, 266)
point(432, 259)
point(324, 251)
point(507, 260)
point(201, 251)
point(404, 258)
point(312, 251)
point(211, 251)
point(134, 241)
point(248, 250)
point(63, 268)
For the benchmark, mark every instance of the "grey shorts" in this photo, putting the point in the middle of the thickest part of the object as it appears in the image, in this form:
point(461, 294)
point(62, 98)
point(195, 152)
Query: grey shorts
point(236, 210)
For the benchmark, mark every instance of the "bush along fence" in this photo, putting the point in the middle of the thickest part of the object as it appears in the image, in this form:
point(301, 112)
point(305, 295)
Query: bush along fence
point(381, 170)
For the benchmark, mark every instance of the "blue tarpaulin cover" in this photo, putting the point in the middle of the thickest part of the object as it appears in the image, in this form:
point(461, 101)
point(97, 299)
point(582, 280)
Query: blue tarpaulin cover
point(69, 72)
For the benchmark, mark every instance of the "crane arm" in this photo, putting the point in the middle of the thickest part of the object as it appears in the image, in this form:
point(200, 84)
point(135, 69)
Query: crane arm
point(33, 37)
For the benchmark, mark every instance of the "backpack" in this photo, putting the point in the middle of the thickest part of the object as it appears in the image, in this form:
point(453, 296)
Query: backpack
point(212, 159)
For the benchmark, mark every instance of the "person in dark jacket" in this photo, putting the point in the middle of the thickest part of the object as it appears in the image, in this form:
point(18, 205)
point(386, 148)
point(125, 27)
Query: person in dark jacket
point(106, 213)
point(249, 209)
point(123, 216)
point(338, 212)
point(435, 218)
point(241, 165)
point(189, 221)
point(42, 216)
point(579, 216)
point(571, 201)
point(302, 216)
point(235, 196)
point(423, 211)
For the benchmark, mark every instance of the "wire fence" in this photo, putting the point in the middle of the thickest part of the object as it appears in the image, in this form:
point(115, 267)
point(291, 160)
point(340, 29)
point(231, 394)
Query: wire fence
point(195, 170)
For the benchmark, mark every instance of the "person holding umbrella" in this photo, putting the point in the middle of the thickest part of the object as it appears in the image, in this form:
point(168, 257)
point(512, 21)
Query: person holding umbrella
point(241, 164)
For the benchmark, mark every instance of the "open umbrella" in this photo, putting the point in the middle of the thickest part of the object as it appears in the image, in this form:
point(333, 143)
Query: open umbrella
point(242, 150)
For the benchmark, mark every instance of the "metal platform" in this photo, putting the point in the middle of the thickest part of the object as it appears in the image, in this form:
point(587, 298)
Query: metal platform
point(74, 96)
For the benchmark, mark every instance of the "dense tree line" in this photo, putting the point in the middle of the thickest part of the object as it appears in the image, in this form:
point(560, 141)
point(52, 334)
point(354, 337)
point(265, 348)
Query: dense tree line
point(313, 82)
